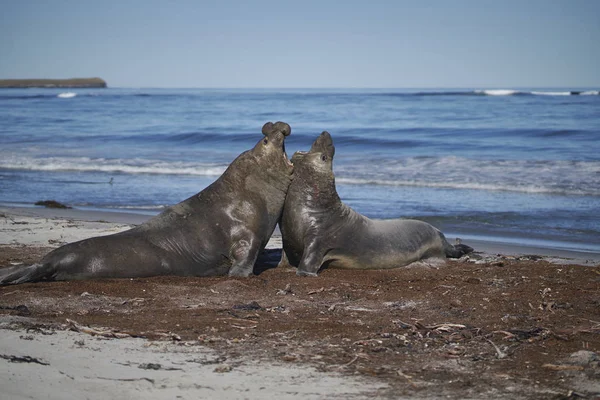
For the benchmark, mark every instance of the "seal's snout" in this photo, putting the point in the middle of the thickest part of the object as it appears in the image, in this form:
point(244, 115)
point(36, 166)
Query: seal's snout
point(275, 135)
point(325, 139)
point(270, 128)
point(324, 144)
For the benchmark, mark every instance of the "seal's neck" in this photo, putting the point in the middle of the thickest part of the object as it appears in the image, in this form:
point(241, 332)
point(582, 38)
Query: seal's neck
point(317, 191)
point(246, 174)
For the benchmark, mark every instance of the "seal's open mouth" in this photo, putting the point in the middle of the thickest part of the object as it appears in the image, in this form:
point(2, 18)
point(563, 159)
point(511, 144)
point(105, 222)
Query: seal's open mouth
point(285, 157)
point(298, 156)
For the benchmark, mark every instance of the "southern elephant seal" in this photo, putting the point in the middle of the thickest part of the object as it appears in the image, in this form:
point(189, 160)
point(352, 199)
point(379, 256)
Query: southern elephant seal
point(319, 230)
point(219, 231)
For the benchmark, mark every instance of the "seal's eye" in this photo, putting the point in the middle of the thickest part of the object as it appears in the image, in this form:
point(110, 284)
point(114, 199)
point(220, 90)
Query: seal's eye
point(323, 158)
point(265, 141)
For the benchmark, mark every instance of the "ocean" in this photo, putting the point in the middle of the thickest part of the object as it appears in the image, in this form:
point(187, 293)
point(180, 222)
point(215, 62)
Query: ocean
point(512, 166)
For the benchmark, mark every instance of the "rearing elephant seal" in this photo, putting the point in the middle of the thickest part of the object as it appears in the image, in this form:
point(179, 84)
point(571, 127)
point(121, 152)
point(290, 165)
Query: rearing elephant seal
point(219, 231)
point(319, 230)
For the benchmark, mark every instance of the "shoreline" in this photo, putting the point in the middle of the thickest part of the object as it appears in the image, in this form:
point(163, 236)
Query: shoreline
point(98, 222)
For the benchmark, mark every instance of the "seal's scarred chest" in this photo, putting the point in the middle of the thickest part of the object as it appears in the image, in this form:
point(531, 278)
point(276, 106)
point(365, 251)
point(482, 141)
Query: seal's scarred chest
point(315, 191)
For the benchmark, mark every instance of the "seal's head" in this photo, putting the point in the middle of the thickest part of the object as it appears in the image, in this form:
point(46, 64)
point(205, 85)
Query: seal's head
point(270, 150)
point(320, 157)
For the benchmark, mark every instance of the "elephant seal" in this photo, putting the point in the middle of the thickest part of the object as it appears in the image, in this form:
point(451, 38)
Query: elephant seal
point(319, 230)
point(219, 231)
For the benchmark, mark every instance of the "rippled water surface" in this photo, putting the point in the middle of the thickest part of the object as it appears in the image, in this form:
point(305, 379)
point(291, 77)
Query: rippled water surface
point(502, 164)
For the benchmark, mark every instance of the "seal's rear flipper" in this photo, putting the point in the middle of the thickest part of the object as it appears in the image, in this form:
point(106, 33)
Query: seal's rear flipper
point(32, 273)
point(458, 250)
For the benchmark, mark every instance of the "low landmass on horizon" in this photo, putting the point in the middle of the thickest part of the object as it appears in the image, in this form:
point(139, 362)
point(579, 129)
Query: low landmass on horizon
point(53, 83)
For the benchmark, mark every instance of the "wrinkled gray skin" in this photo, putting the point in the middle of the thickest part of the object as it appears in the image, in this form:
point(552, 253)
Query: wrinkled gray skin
point(318, 230)
point(219, 231)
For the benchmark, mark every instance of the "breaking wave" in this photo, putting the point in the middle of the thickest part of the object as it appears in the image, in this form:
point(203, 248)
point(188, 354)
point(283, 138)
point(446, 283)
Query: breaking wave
point(66, 95)
point(134, 166)
point(497, 92)
point(505, 92)
point(531, 189)
point(580, 178)
point(291, 93)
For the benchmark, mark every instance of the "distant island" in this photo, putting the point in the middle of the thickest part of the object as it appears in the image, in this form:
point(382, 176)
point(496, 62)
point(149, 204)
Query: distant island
point(53, 83)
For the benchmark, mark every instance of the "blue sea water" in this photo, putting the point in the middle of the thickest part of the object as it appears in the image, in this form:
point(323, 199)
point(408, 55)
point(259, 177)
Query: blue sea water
point(520, 167)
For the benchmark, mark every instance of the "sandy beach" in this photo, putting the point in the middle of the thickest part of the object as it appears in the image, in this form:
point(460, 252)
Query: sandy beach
point(58, 364)
point(505, 322)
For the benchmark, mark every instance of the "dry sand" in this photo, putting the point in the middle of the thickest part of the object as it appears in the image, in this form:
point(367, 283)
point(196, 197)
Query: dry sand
point(486, 326)
point(65, 365)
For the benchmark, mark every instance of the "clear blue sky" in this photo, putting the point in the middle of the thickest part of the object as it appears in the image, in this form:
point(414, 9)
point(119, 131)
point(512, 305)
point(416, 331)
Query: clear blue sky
point(305, 43)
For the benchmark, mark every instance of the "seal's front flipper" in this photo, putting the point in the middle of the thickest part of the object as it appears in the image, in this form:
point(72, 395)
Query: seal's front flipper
point(244, 254)
point(463, 249)
point(312, 259)
point(457, 250)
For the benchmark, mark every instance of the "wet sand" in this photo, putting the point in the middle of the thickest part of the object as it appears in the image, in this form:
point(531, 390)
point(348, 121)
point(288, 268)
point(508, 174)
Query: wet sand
point(46, 226)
